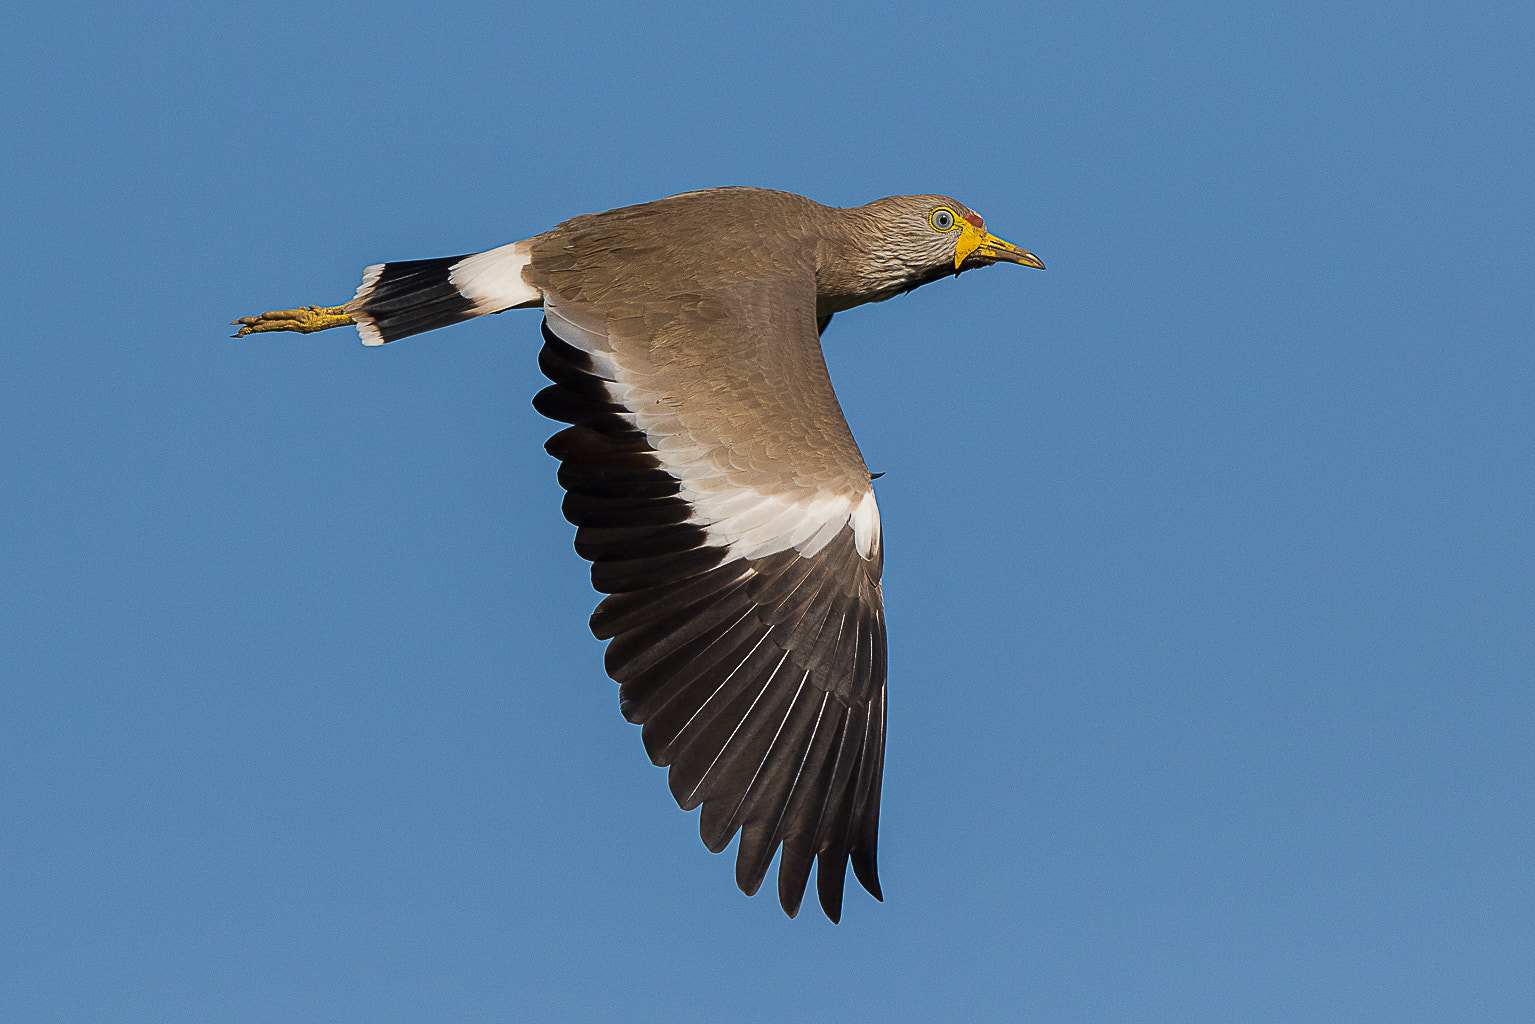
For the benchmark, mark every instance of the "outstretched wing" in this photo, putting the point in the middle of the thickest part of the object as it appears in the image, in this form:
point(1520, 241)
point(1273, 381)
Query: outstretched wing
point(729, 516)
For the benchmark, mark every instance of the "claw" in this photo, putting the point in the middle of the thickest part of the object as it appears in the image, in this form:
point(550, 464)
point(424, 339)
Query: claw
point(305, 320)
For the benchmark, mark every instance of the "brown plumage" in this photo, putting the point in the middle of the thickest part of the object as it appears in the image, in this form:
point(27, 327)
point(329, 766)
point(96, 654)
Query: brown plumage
point(715, 486)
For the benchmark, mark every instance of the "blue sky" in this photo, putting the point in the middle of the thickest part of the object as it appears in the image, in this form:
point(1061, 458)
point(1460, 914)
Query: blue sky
point(1210, 567)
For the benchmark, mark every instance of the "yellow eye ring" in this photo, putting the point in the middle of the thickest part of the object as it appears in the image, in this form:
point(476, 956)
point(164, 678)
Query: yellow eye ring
point(943, 219)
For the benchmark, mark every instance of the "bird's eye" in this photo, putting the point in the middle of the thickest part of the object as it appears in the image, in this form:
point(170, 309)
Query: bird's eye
point(942, 219)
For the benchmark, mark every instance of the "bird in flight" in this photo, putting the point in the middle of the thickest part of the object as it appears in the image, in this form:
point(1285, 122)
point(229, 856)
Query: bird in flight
point(715, 486)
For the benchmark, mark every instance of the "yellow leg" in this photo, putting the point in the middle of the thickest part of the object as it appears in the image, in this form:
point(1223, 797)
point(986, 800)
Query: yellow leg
point(305, 320)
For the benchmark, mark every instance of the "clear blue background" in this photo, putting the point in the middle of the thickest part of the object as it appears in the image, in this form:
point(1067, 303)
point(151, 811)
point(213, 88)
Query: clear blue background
point(1211, 565)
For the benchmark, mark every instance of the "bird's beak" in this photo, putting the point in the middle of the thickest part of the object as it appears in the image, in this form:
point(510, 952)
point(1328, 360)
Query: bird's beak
point(980, 250)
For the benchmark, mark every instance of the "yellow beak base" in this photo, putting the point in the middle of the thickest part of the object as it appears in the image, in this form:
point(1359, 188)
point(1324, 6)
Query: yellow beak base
point(987, 249)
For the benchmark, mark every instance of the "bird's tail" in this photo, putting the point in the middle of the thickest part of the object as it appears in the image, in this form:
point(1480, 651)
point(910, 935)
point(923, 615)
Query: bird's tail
point(396, 300)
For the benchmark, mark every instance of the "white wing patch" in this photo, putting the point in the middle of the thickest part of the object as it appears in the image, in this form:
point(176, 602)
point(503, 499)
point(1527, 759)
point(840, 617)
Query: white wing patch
point(866, 526)
point(750, 522)
point(770, 522)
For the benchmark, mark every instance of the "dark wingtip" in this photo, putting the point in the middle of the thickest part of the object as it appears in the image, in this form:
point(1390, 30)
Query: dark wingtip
point(790, 907)
point(830, 876)
point(867, 871)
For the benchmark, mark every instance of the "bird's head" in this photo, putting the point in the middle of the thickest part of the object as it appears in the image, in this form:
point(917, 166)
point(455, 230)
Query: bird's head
point(908, 241)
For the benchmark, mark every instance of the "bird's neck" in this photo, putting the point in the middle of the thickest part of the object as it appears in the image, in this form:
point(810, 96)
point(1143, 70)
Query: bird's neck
point(853, 268)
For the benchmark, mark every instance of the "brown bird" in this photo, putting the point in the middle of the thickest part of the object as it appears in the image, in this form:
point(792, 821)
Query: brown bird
point(715, 486)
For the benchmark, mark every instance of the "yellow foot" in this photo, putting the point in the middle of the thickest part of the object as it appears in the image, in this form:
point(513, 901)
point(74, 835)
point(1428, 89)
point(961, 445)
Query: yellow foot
point(305, 321)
